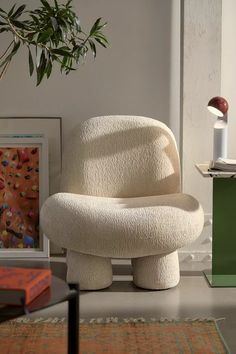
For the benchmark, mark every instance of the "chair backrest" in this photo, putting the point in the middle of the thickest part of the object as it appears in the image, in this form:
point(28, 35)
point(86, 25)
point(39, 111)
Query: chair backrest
point(121, 156)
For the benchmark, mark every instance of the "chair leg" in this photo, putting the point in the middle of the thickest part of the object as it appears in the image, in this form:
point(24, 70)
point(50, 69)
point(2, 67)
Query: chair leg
point(92, 272)
point(156, 272)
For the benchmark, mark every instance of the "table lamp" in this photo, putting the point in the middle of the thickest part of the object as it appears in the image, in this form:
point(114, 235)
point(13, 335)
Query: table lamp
point(219, 107)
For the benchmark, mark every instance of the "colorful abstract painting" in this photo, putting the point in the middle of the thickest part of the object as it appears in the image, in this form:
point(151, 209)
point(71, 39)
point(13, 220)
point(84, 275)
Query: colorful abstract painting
point(19, 197)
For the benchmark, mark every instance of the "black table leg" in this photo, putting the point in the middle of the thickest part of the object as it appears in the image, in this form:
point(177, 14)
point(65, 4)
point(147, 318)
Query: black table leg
point(73, 321)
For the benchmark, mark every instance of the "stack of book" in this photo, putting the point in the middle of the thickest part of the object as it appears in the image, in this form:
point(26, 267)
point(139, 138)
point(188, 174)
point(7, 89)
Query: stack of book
point(223, 164)
point(20, 286)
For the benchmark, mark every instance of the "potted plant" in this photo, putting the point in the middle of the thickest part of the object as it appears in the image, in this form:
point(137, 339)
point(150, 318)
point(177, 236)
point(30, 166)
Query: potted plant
point(52, 33)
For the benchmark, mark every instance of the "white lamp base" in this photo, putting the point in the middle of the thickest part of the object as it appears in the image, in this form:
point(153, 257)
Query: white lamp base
point(220, 139)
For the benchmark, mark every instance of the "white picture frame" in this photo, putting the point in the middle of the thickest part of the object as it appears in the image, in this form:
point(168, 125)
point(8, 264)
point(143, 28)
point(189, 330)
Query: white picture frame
point(29, 142)
point(50, 128)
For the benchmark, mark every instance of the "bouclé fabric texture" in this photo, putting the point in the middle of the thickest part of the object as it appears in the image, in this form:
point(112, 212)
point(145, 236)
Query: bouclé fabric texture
point(121, 156)
point(121, 197)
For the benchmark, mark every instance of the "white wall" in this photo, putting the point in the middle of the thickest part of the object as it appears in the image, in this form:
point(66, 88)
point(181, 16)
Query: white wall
point(201, 81)
point(228, 68)
point(209, 52)
point(138, 74)
point(201, 78)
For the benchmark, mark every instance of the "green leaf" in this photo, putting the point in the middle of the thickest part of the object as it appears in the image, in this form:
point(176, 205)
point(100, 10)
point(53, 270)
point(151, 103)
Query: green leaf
point(11, 11)
point(38, 56)
point(46, 5)
point(101, 36)
point(2, 23)
point(44, 36)
point(101, 41)
point(35, 18)
point(63, 23)
point(49, 69)
point(93, 48)
point(56, 38)
point(40, 75)
point(31, 63)
point(19, 24)
point(4, 29)
point(62, 51)
point(64, 61)
point(56, 5)
point(41, 69)
point(95, 26)
point(68, 3)
point(19, 11)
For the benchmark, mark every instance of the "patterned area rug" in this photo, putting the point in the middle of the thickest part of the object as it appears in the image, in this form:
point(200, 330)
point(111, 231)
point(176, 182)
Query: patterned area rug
point(113, 337)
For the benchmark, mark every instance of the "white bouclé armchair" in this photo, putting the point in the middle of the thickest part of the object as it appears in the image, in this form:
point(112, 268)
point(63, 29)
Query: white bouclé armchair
point(121, 198)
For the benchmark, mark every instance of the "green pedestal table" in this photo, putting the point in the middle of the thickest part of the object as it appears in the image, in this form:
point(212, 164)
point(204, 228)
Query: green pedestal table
point(223, 273)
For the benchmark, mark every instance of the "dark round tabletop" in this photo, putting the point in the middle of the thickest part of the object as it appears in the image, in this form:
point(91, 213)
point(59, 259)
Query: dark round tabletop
point(58, 292)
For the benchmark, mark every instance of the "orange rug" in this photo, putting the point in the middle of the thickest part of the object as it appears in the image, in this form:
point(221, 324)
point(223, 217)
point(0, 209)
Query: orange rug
point(126, 337)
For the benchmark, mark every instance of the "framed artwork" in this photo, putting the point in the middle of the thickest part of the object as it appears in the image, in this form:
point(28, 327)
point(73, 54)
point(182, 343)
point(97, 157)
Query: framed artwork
point(50, 128)
point(23, 188)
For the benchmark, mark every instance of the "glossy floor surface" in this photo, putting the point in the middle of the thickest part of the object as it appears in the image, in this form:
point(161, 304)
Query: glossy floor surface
point(192, 298)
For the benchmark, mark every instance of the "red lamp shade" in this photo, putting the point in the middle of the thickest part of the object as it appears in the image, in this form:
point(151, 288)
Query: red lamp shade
point(218, 106)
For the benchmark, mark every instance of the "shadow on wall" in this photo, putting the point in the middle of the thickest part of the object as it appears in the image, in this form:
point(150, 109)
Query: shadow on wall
point(138, 74)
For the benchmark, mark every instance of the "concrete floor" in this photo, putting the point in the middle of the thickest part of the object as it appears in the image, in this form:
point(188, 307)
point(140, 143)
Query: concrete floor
point(192, 298)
